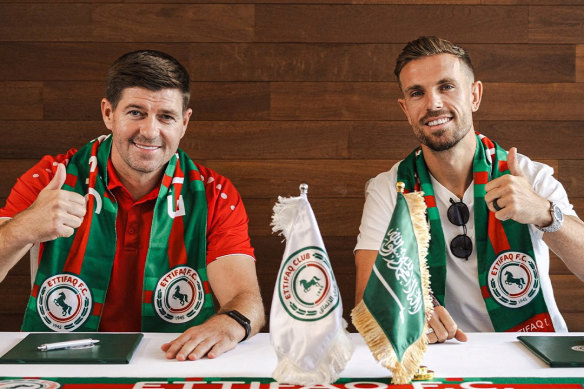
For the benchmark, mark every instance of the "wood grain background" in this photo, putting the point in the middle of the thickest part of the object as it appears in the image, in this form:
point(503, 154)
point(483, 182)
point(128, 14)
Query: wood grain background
point(286, 91)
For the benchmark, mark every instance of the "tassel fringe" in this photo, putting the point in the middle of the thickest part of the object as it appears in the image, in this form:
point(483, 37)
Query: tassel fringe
point(380, 346)
point(285, 211)
point(327, 371)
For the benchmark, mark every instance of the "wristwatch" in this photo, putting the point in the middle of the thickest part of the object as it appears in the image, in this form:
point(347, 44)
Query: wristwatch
point(242, 320)
point(557, 219)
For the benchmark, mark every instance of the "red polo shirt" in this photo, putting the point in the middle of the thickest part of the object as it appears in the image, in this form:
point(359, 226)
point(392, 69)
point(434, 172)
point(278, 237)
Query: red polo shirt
point(226, 232)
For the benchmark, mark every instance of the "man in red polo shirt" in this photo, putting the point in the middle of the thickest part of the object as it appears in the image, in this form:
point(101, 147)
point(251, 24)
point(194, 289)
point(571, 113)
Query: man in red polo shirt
point(132, 234)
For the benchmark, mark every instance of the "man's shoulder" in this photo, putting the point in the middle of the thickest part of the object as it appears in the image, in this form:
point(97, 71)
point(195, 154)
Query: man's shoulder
point(385, 178)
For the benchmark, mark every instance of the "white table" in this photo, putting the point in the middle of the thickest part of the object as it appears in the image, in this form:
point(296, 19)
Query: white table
point(484, 355)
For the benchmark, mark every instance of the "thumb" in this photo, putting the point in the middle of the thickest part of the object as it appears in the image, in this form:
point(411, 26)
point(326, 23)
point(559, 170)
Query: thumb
point(59, 178)
point(512, 163)
point(460, 336)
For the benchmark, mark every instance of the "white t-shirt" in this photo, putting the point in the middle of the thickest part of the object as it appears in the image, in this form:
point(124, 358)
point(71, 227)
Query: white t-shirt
point(463, 298)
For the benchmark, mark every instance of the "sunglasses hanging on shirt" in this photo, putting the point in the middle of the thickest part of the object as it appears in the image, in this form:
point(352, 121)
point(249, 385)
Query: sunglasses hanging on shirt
point(458, 214)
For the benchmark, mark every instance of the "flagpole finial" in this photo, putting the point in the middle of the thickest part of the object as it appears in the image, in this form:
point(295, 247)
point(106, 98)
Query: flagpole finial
point(400, 187)
point(303, 189)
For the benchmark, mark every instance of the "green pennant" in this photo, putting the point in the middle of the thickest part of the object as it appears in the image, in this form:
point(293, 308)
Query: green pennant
point(394, 292)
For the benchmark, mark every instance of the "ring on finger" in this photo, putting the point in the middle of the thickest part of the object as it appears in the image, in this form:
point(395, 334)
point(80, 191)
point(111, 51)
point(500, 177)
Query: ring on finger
point(496, 205)
point(430, 331)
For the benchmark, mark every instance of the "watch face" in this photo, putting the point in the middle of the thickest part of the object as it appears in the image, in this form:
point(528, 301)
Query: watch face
point(558, 213)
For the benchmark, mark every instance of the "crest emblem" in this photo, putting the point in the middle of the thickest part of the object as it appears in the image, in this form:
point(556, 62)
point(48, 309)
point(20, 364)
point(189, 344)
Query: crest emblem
point(179, 295)
point(306, 285)
point(513, 280)
point(29, 383)
point(64, 302)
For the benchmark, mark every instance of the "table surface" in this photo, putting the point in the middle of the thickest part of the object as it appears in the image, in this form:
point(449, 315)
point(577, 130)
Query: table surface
point(484, 355)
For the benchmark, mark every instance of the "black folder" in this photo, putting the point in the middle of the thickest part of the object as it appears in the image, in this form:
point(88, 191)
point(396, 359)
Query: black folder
point(113, 348)
point(556, 351)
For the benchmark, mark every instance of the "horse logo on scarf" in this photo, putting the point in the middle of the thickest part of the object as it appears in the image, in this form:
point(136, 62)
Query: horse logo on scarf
point(179, 295)
point(513, 280)
point(64, 302)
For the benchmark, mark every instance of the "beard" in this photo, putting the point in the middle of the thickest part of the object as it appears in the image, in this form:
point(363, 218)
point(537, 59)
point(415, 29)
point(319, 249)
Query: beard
point(446, 138)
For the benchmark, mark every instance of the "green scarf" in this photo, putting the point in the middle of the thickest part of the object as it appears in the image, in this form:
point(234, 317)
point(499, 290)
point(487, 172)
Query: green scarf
point(507, 271)
point(74, 273)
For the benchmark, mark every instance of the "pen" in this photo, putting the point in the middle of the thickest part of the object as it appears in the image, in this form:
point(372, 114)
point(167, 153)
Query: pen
point(78, 343)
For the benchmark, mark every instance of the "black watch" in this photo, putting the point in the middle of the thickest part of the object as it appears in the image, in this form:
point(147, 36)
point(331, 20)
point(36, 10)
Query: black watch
point(242, 320)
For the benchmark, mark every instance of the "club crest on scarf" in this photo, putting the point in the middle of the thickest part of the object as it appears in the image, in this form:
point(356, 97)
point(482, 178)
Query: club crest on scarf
point(306, 285)
point(179, 295)
point(29, 383)
point(513, 280)
point(64, 302)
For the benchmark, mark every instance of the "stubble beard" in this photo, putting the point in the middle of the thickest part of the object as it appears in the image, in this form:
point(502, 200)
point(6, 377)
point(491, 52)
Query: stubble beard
point(444, 139)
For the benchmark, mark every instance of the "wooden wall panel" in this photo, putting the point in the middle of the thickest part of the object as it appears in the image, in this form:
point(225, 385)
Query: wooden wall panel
point(552, 24)
point(291, 91)
point(382, 23)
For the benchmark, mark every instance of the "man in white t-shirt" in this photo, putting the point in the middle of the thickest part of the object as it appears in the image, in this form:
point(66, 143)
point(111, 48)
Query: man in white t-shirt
point(493, 215)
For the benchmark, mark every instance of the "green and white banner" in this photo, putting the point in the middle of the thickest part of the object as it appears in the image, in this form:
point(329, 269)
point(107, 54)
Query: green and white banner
point(306, 320)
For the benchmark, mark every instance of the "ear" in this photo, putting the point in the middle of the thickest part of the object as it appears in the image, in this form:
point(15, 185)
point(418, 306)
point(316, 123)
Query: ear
point(107, 113)
point(477, 95)
point(402, 104)
point(186, 118)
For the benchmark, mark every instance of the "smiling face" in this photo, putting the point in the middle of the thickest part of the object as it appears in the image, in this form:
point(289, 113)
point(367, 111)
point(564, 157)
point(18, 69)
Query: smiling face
point(440, 96)
point(146, 127)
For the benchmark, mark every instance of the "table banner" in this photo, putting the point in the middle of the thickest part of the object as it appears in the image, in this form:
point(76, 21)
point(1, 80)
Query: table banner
point(268, 383)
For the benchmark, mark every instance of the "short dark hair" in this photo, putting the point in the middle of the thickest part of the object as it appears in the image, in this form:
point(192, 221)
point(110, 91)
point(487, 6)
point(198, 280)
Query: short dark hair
point(149, 69)
point(426, 46)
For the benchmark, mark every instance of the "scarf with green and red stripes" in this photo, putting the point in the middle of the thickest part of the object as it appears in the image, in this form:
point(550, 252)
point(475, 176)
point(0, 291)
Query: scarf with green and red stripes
point(74, 273)
point(507, 270)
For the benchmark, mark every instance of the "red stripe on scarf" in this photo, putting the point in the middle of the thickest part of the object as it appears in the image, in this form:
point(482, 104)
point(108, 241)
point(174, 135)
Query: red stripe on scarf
point(487, 142)
point(177, 252)
point(485, 292)
point(481, 178)
point(430, 201)
point(541, 322)
point(35, 291)
point(167, 180)
point(206, 287)
point(76, 254)
point(148, 296)
point(503, 166)
point(71, 180)
point(497, 235)
point(96, 309)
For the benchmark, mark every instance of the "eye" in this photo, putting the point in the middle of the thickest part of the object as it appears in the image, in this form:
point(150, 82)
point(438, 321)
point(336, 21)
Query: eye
point(415, 93)
point(167, 118)
point(447, 87)
point(134, 113)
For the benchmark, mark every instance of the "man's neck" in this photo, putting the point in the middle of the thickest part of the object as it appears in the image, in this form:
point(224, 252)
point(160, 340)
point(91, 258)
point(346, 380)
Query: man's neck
point(453, 168)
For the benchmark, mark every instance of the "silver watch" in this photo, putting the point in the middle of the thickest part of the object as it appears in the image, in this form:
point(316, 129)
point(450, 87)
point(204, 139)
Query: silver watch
point(557, 219)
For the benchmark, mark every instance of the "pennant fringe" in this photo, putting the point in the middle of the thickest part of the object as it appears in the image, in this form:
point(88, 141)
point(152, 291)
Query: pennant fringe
point(285, 211)
point(328, 369)
point(380, 346)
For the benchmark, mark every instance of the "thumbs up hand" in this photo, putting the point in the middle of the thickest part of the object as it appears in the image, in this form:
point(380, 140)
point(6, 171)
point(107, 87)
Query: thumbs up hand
point(55, 213)
point(512, 197)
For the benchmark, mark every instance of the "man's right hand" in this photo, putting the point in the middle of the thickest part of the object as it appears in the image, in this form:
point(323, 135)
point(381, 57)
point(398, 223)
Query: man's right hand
point(441, 327)
point(55, 213)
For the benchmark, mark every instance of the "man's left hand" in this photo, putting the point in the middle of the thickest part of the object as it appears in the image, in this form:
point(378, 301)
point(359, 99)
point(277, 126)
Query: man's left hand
point(515, 198)
point(212, 338)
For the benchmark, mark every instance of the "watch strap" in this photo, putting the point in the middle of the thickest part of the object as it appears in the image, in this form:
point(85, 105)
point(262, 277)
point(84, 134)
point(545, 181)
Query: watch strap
point(242, 320)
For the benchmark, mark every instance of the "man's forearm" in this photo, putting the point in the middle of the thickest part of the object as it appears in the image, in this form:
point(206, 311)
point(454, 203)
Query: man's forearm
point(568, 244)
point(251, 306)
point(12, 246)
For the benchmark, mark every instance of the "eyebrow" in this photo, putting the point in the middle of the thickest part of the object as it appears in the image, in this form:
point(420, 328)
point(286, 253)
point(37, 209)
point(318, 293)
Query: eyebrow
point(441, 82)
point(141, 107)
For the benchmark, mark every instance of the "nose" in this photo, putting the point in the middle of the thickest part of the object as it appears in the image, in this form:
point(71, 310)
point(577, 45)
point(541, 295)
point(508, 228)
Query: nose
point(433, 101)
point(149, 128)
